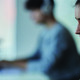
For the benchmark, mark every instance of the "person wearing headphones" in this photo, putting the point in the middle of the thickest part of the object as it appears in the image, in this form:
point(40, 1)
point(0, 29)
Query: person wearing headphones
point(77, 15)
point(56, 55)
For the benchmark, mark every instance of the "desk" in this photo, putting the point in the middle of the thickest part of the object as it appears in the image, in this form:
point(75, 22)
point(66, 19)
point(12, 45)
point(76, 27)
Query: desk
point(23, 76)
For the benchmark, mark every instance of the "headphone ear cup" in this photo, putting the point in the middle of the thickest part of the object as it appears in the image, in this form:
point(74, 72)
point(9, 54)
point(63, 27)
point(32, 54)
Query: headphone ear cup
point(49, 8)
point(46, 7)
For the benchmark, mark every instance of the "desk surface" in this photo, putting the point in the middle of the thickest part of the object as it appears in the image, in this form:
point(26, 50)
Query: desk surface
point(23, 77)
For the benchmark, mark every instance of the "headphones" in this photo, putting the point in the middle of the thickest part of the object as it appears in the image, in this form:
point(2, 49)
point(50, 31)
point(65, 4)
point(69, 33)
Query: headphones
point(46, 7)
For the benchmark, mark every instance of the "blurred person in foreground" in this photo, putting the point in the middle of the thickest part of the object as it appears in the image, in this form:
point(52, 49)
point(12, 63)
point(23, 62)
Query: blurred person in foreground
point(56, 55)
point(77, 15)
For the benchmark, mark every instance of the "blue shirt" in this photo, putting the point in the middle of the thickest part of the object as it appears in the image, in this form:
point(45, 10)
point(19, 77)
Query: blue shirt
point(58, 55)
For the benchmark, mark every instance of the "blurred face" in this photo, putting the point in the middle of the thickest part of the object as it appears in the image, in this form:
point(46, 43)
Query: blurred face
point(77, 16)
point(37, 16)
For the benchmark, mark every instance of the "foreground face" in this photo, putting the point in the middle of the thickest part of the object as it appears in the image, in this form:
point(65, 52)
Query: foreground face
point(77, 16)
point(37, 16)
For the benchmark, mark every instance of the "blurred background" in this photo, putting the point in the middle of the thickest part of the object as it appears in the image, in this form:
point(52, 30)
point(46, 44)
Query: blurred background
point(19, 34)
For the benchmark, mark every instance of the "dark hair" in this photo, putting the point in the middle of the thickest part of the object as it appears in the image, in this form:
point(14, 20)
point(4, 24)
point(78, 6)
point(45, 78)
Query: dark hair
point(35, 4)
point(77, 2)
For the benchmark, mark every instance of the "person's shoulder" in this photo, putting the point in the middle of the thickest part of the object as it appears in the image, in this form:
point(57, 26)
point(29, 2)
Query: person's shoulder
point(61, 28)
point(63, 32)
